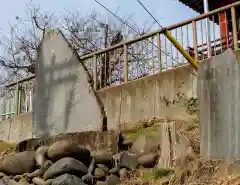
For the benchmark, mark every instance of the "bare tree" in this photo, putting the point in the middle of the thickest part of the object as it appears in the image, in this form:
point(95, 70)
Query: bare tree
point(85, 33)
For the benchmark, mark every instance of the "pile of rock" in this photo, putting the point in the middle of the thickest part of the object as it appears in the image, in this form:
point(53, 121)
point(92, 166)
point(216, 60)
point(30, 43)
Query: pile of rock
point(68, 163)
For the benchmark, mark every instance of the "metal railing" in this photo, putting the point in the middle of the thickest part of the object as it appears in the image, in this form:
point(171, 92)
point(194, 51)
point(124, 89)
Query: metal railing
point(148, 54)
point(152, 53)
point(17, 97)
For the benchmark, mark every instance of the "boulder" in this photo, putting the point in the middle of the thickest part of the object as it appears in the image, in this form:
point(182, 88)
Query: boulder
point(12, 182)
point(23, 182)
point(123, 173)
point(2, 174)
point(36, 173)
point(145, 144)
point(67, 179)
point(101, 183)
point(128, 161)
point(112, 180)
point(103, 157)
point(49, 182)
point(100, 173)
point(41, 171)
point(103, 167)
point(41, 155)
point(17, 177)
point(38, 181)
point(148, 160)
point(66, 165)
point(6, 179)
point(63, 148)
point(19, 163)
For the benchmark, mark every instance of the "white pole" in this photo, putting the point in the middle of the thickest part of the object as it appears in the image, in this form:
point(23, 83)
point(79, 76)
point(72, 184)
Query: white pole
point(208, 31)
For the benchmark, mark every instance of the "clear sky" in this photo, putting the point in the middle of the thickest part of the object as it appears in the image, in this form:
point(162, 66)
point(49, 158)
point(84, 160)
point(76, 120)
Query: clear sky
point(166, 11)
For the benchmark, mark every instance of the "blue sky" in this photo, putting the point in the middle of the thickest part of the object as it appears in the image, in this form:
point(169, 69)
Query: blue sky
point(166, 11)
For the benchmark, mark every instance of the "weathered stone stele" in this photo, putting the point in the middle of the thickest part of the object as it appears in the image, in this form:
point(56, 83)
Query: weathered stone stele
point(65, 101)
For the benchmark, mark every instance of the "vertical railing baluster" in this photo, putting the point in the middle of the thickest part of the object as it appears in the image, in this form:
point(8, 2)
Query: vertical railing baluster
point(30, 100)
point(234, 28)
point(159, 52)
point(195, 42)
point(94, 69)
point(125, 63)
point(153, 63)
point(17, 99)
point(182, 42)
point(226, 22)
point(171, 50)
point(214, 35)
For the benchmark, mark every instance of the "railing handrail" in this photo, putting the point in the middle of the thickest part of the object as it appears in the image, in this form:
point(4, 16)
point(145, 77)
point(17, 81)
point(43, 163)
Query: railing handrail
point(142, 37)
point(21, 80)
point(171, 27)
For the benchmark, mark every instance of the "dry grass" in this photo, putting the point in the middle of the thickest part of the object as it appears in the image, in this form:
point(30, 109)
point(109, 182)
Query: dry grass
point(141, 131)
point(196, 171)
point(6, 148)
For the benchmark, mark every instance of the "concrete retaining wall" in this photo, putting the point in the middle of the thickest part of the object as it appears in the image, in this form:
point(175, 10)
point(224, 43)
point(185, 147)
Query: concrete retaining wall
point(162, 95)
point(218, 87)
point(18, 128)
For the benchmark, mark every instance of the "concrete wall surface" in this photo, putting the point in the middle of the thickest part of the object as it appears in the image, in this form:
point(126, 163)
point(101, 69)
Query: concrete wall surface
point(17, 128)
point(218, 90)
point(64, 101)
point(161, 95)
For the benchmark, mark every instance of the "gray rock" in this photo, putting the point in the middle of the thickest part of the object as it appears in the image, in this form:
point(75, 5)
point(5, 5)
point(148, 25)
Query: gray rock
point(36, 173)
point(112, 180)
point(88, 179)
point(38, 181)
point(100, 173)
point(2, 174)
point(67, 179)
point(126, 145)
point(41, 171)
point(101, 183)
point(25, 175)
point(23, 182)
point(114, 170)
point(91, 166)
point(63, 148)
point(2, 182)
point(103, 167)
point(6, 179)
point(66, 165)
point(46, 165)
point(145, 144)
point(12, 182)
point(123, 173)
point(128, 161)
point(103, 157)
point(18, 163)
point(49, 182)
point(41, 155)
point(17, 177)
point(148, 160)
